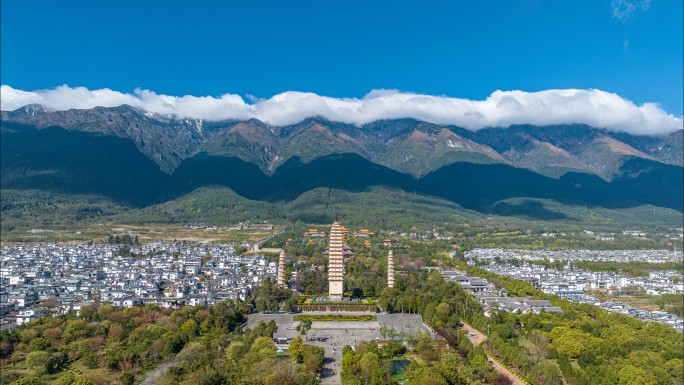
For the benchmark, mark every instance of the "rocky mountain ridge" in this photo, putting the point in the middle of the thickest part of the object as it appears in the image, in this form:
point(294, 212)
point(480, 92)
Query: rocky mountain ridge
point(405, 145)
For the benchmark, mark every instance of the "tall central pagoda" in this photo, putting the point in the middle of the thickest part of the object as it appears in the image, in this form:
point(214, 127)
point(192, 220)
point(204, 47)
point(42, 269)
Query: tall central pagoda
point(336, 251)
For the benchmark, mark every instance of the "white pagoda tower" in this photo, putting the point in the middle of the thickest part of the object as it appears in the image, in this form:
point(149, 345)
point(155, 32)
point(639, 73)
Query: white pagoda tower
point(281, 269)
point(336, 264)
point(390, 269)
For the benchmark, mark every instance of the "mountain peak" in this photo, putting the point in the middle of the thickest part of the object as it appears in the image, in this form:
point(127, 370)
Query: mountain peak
point(122, 108)
point(31, 110)
point(314, 120)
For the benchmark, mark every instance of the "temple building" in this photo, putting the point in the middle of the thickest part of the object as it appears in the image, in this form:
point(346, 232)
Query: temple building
point(281, 269)
point(336, 252)
point(390, 269)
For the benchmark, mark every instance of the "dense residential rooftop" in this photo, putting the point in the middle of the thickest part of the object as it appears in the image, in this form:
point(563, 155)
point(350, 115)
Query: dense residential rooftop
point(65, 277)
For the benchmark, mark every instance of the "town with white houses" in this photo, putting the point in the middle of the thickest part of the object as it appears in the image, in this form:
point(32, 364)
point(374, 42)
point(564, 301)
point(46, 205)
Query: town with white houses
point(577, 284)
point(60, 278)
point(65, 277)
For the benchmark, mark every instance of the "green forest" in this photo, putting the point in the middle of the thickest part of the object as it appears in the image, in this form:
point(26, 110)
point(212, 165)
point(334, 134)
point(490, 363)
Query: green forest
point(108, 345)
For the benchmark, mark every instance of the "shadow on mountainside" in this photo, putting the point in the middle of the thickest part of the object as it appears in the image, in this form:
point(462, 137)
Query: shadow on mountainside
point(54, 159)
point(72, 162)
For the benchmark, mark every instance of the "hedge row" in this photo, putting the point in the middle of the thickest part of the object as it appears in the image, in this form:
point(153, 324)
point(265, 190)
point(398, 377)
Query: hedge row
point(336, 317)
point(491, 355)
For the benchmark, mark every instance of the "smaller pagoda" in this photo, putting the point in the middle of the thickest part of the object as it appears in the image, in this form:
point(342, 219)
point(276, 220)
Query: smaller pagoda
point(281, 269)
point(390, 269)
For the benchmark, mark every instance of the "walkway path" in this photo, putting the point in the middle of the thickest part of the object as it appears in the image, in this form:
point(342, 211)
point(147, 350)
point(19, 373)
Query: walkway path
point(157, 373)
point(334, 341)
point(478, 339)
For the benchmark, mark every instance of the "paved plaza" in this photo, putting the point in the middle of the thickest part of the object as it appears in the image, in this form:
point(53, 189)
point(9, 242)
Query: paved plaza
point(339, 334)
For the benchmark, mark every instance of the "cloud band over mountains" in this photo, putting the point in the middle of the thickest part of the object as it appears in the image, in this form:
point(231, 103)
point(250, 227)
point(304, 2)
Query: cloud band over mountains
point(592, 107)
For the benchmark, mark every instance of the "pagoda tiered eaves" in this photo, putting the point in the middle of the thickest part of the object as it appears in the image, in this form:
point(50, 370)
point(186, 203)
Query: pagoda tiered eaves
point(390, 269)
point(336, 254)
point(281, 269)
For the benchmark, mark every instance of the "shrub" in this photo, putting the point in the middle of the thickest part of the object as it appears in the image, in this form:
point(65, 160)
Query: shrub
point(90, 360)
point(40, 361)
point(29, 380)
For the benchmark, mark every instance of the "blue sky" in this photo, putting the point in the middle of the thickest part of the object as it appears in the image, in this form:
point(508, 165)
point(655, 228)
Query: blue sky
point(465, 49)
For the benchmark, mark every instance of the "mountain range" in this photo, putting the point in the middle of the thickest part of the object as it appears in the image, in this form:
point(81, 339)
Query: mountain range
point(141, 159)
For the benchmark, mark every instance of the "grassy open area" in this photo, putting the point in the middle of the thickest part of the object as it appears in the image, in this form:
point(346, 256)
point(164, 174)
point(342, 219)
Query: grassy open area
point(633, 269)
point(641, 302)
point(673, 303)
point(98, 233)
point(77, 369)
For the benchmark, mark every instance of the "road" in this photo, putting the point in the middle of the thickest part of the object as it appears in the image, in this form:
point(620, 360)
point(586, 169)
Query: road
point(478, 339)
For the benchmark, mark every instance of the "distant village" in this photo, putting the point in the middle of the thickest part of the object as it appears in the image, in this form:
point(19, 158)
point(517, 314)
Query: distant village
point(51, 278)
point(66, 277)
point(577, 284)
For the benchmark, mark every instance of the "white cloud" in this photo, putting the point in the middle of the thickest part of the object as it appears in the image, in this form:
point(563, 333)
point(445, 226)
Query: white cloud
point(624, 9)
point(501, 109)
